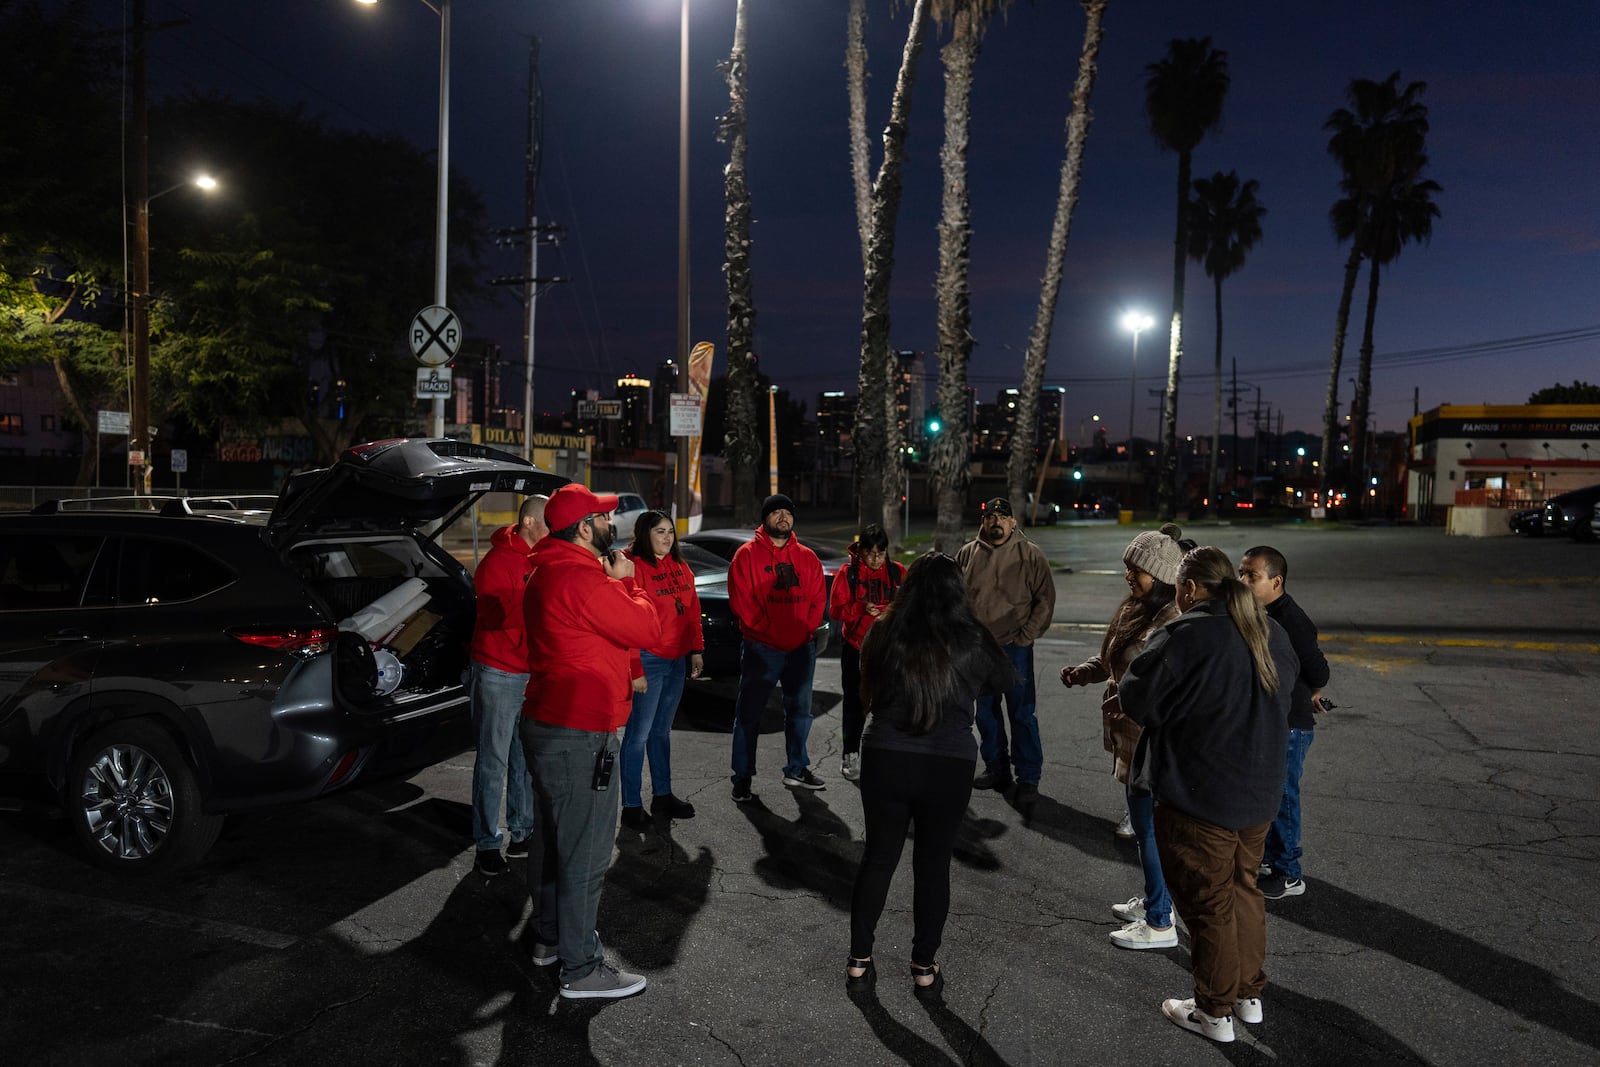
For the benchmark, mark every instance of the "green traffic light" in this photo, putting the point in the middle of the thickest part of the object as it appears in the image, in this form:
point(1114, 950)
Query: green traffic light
point(933, 425)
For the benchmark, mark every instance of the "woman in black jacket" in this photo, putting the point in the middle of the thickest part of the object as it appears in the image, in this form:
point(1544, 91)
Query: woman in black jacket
point(922, 666)
point(1207, 691)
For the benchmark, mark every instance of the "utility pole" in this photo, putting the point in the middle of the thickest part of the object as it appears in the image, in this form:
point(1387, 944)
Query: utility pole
point(140, 437)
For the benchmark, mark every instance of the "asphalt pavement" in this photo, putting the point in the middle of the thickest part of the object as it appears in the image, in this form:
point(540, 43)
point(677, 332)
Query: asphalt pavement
point(1452, 823)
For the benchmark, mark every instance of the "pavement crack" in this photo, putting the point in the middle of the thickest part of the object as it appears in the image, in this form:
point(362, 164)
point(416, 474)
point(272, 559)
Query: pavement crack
point(316, 1016)
point(719, 1039)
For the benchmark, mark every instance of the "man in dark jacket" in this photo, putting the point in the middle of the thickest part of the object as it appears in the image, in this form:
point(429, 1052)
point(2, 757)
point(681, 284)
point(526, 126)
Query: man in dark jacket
point(499, 676)
point(776, 591)
point(1265, 571)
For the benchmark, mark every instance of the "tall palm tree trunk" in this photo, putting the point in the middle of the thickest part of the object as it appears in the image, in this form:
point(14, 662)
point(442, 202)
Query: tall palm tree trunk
point(952, 448)
point(869, 439)
point(1167, 475)
point(1330, 411)
point(855, 66)
point(1216, 409)
point(742, 438)
point(1024, 448)
point(1356, 487)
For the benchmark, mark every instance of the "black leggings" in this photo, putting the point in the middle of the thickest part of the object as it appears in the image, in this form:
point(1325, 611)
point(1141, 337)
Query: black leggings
point(899, 789)
point(854, 718)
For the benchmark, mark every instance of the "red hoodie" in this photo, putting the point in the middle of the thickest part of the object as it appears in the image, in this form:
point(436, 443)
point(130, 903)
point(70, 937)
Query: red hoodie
point(581, 626)
point(670, 587)
point(499, 639)
point(847, 604)
point(776, 592)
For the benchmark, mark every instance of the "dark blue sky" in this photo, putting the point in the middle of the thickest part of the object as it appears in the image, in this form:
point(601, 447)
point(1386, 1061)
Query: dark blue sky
point(1515, 141)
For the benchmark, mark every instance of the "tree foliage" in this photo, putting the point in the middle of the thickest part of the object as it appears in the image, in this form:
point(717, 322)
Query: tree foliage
point(1576, 393)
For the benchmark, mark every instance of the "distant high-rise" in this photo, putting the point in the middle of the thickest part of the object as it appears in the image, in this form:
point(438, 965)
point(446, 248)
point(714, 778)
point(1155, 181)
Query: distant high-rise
point(634, 393)
point(836, 415)
point(910, 393)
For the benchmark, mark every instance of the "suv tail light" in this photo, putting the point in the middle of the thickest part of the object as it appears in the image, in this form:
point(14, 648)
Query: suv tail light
point(302, 643)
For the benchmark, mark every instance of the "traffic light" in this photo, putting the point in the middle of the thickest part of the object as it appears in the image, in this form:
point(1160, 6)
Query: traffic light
point(1077, 474)
point(930, 420)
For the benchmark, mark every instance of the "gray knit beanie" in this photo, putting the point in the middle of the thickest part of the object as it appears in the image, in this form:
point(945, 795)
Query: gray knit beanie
point(1156, 552)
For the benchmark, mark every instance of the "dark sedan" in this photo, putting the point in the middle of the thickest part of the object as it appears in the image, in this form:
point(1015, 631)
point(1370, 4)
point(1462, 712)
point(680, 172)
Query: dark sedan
point(1570, 513)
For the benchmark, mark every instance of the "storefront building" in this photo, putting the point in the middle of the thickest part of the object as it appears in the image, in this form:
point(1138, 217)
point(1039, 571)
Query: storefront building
point(1504, 456)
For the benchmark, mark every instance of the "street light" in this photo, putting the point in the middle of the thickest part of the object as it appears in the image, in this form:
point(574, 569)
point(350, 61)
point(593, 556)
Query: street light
point(442, 212)
point(681, 354)
point(141, 434)
point(1138, 322)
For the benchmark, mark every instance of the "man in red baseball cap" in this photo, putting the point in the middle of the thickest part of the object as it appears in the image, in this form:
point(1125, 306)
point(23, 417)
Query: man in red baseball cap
point(582, 623)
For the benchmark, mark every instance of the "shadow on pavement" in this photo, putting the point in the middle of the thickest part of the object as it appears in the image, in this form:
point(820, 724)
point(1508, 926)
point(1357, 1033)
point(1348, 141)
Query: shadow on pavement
point(896, 1037)
point(1524, 988)
point(815, 851)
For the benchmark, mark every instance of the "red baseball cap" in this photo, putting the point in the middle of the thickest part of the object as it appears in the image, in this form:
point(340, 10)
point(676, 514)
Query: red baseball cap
point(572, 503)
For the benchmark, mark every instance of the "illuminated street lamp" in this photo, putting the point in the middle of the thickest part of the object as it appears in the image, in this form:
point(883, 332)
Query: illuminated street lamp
point(1137, 322)
point(680, 355)
point(141, 432)
point(442, 211)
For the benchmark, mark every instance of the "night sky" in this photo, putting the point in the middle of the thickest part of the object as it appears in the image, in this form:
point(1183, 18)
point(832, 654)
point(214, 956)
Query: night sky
point(1513, 92)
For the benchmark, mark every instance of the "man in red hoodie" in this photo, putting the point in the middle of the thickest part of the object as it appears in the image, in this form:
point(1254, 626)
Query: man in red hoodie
point(499, 676)
point(776, 592)
point(582, 621)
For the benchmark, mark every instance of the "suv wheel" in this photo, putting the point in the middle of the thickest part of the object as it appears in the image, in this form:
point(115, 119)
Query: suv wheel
point(134, 801)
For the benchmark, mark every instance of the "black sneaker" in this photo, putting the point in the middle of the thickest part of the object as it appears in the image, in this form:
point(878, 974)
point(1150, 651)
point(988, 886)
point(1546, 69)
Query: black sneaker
point(991, 780)
point(489, 862)
point(804, 780)
point(517, 850)
point(671, 807)
point(741, 791)
point(1276, 887)
point(635, 819)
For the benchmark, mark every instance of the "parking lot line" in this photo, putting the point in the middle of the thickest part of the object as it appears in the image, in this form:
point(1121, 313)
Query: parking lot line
point(117, 909)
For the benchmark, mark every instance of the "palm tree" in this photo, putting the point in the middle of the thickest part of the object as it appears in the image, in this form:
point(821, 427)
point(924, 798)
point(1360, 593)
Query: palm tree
point(742, 437)
point(869, 437)
point(1224, 224)
point(1374, 140)
point(1397, 216)
point(1024, 448)
point(1183, 100)
point(952, 448)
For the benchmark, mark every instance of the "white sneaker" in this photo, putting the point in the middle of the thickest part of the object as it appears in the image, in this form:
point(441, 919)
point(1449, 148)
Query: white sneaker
point(1132, 911)
point(1185, 1014)
point(1264, 870)
point(851, 767)
point(1247, 1009)
point(1142, 935)
point(1125, 827)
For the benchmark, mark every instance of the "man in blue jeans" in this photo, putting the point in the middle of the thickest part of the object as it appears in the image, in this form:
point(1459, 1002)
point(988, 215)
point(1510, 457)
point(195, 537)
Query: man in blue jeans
point(1013, 594)
point(776, 591)
point(1265, 571)
point(498, 677)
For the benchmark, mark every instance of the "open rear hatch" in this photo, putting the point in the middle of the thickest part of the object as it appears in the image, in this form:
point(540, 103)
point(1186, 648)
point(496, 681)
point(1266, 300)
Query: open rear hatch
point(404, 483)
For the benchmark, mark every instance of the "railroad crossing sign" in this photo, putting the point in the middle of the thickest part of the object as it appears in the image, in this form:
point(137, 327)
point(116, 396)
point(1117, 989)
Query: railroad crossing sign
point(432, 382)
point(435, 336)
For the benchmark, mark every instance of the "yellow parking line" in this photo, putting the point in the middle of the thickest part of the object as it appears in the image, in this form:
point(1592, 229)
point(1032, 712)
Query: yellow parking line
point(1571, 647)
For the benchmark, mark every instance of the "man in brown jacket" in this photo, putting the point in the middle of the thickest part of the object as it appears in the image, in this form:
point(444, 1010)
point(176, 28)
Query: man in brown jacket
point(1012, 592)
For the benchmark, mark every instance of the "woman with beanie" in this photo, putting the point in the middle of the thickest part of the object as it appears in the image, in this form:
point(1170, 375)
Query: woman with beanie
point(861, 594)
point(922, 666)
point(659, 570)
point(1207, 691)
point(1151, 561)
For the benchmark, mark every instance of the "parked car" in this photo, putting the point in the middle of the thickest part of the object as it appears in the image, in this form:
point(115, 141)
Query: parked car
point(1528, 521)
point(719, 628)
point(629, 507)
point(1570, 513)
point(162, 668)
point(724, 543)
point(1090, 506)
point(1049, 513)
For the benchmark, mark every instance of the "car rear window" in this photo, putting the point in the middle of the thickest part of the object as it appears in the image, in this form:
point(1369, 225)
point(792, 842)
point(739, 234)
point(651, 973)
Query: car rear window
point(45, 571)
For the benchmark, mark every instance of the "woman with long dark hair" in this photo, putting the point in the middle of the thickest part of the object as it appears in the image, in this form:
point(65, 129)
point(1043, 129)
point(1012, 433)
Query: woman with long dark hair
point(1207, 691)
point(1151, 567)
point(659, 570)
point(922, 666)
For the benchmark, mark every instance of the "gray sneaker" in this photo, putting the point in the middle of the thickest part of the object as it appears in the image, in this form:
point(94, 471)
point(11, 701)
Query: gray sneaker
point(604, 981)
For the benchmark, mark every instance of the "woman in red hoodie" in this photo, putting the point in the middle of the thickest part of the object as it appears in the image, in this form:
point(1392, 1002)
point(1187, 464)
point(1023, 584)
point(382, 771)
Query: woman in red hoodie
point(659, 570)
point(861, 594)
